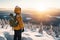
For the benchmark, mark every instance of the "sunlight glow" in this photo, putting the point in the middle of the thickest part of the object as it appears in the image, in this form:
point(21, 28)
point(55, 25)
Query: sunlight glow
point(42, 7)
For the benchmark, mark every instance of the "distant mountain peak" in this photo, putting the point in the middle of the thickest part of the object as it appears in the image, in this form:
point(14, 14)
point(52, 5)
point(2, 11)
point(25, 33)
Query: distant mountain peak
point(4, 9)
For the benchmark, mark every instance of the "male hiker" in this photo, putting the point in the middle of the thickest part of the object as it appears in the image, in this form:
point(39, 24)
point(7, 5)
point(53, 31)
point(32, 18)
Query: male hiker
point(17, 26)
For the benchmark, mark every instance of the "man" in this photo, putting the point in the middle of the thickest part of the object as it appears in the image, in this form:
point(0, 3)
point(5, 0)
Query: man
point(18, 29)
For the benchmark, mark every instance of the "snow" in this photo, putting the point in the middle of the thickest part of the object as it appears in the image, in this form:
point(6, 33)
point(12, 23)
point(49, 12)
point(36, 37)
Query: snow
point(8, 34)
point(35, 35)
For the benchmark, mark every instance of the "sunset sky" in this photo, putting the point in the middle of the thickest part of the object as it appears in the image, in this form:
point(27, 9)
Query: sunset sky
point(35, 4)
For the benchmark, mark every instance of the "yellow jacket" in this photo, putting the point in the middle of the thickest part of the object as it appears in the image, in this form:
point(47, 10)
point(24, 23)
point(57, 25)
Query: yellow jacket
point(20, 25)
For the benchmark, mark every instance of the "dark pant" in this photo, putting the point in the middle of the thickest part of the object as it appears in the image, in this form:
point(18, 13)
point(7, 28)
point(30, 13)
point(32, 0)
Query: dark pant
point(17, 34)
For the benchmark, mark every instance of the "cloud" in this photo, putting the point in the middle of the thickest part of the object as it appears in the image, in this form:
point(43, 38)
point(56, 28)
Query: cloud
point(29, 3)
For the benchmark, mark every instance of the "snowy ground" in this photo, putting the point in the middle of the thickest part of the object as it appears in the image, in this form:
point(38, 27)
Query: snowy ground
point(7, 34)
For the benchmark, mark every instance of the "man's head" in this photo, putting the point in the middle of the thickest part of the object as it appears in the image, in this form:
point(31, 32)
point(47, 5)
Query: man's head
point(17, 10)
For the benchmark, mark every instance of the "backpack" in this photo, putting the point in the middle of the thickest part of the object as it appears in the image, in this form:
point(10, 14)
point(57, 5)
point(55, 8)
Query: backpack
point(13, 21)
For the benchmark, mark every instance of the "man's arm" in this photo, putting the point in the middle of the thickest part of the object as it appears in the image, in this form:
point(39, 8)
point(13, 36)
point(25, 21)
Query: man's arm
point(22, 23)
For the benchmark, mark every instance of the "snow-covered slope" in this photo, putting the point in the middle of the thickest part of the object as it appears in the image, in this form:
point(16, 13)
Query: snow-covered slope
point(37, 36)
point(7, 34)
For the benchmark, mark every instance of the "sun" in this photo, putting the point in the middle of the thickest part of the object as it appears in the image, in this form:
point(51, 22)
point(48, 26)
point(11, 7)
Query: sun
point(41, 7)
